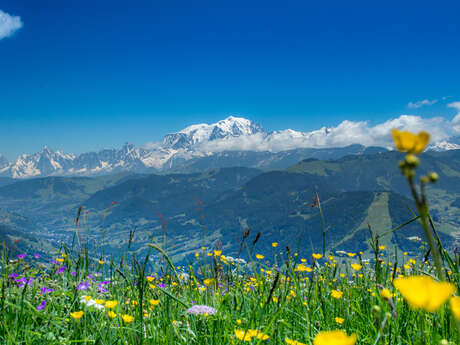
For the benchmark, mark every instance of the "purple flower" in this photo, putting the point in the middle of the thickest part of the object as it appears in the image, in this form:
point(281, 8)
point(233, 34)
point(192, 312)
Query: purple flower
point(37, 256)
point(161, 285)
point(101, 287)
point(61, 269)
point(83, 286)
point(201, 310)
point(13, 275)
point(53, 262)
point(21, 256)
point(45, 290)
point(89, 276)
point(42, 305)
point(23, 281)
point(73, 273)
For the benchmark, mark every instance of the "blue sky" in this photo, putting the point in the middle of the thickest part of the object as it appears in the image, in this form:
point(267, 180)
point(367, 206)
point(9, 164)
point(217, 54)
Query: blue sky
point(84, 75)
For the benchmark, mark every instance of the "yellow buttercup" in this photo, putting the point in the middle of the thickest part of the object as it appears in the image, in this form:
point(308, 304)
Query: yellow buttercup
point(409, 142)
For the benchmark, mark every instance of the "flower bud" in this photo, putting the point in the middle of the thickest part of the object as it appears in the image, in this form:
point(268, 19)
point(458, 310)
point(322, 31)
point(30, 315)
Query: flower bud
point(424, 179)
point(433, 177)
point(412, 160)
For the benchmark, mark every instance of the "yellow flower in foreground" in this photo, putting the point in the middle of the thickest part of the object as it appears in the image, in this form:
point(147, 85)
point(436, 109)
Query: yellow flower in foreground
point(293, 342)
point(101, 262)
point(334, 338)
point(317, 256)
point(356, 267)
point(275, 244)
point(455, 307)
point(111, 314)
point(260, 256)
point(76, 315)
point(423, 292)
point(60, 260)
point(99, 301)
point(351, 255)
point(336, 294)
point(409, 142)
point(127, 318)
point(217, 252)
point(111, 304)
point(302, 268)
point(154, 302)
point(339, 320)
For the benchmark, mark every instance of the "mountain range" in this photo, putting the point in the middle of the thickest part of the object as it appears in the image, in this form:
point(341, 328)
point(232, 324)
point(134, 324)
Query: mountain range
point(230, 142)
point(214, 207)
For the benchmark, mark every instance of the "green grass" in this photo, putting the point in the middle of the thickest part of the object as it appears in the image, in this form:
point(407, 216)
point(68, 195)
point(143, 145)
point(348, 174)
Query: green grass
point(298, 306)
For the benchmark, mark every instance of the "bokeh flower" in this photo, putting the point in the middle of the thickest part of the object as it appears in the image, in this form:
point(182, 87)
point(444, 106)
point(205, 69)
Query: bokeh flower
point(409, 142)
point(337, 337)
point(423, 292)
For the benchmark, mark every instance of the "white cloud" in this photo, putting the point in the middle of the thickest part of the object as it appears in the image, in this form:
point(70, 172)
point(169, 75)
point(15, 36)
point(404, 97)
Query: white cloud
point(456, 120)
point(346, 133)
point(9, 24)
point(420, 104)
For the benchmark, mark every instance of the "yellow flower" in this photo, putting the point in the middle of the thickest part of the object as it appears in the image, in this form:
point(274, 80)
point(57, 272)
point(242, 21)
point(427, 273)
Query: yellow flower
point(208, 281)
point(293, 342)
point(99, 301)
point(64, 255)
point(423, 292)
point(76, 315)
point(258, 334)
point(242, 335)
point(455, 306)
point(101, 262)
point(302, 268)
point(150, 279)
point(87, 298)
point(111, 314)
point(317, 256)
point(334, 338)
point(356, 267)
point(275, 299)
point(238, 322)
point(249, 334)
point(60, 260)
point(351, 254)
point(259, 256)
point(382, 247)
point(197, 255)
point(275, 244)
point(127, 318)
point(336, 294)
point(409, 142)
point(385, 293)
point(111, 304)
point(339, 320)
point(217, 252)
point(154, 302)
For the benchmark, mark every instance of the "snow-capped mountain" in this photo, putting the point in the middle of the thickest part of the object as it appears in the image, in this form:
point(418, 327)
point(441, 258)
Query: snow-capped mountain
point(232, 134)
point(452, 143)
point(231, 127)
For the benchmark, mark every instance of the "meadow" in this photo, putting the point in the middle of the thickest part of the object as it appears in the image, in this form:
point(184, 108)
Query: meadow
point(341, 298)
